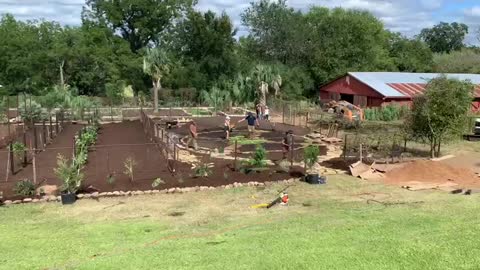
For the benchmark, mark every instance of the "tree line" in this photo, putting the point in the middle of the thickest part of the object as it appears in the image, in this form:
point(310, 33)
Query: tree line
point(168, 44)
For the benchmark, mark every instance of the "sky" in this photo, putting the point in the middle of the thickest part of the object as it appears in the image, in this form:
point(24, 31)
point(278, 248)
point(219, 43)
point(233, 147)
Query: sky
point(405, 16)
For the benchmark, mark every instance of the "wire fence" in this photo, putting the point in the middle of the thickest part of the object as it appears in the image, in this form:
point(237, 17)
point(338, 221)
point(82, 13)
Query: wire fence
point(385, 147)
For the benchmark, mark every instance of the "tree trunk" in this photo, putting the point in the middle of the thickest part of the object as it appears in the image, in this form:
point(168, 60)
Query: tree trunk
point(438, 147)
point(62, 82)
point(156, 86)
point(432, 147)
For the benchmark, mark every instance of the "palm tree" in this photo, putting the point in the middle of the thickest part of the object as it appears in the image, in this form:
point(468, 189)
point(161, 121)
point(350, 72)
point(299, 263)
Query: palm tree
point(266, 78)
point(156, 64)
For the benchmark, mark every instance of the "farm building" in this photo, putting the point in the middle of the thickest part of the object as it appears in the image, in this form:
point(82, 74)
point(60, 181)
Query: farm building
point(375, 89)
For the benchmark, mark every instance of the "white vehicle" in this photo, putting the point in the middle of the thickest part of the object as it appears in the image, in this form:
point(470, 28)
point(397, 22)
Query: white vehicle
point(476, 129)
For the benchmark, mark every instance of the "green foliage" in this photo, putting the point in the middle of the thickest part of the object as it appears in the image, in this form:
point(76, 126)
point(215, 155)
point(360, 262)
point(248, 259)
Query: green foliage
point(157, 182)
point(139, 22)
point(242, 140)
point(464, 61)
point(30, 111)
point(115, 92)
point(203, 170)
point(310, 154)
point(441, 112)
point(18, 148)
point(70, 173)
point(445, 37)
point(410, 55)
point(388, 113)
point(207, 40)
point(24, 188)
point(258, 159)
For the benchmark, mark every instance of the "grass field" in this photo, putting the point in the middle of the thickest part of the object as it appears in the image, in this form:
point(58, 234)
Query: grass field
point(341, 225)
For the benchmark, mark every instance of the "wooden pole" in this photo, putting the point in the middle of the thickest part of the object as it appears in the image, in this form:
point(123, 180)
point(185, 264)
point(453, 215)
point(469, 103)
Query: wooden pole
point(44, 133)
point(8, 166)
point(8, 115)
point(35, 141)
point(25, 161)
point(345, 147)
point(56, 123)
point(361, 153)
point(291, 152)
point(34, 165)
point(50, 129)
point(235, 155)
point(12, 163)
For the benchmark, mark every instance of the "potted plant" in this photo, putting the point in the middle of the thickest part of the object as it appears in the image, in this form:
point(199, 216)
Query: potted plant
point(310, 155)
point(70, 174)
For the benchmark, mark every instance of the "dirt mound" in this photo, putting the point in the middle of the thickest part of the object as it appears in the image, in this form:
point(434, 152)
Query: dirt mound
point(427, 171)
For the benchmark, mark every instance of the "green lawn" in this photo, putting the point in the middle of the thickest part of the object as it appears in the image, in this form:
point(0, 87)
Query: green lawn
point(325, 227)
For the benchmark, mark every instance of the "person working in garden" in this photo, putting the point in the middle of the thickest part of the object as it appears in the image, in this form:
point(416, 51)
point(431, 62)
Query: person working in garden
point(193, 135)
point(287, 143)
point(266, 114)
point(251, 122)
point(227, 127)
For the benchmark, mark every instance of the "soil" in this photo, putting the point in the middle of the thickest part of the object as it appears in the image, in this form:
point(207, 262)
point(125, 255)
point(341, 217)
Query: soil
point(427, 171)
point(46, 161)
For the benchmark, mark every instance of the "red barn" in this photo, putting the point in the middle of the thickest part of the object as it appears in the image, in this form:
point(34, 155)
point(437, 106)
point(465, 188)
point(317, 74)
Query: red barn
point(375, 89)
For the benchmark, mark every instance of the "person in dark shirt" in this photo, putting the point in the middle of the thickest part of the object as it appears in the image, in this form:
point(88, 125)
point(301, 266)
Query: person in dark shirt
point(287, 143)
point(251, 122)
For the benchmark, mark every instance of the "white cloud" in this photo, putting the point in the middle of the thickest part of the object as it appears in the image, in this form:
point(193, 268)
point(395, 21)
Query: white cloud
point(474, 11)
point(405, 16)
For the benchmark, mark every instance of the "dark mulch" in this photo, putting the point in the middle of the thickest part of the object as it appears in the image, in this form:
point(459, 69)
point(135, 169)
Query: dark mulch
point(116, 143)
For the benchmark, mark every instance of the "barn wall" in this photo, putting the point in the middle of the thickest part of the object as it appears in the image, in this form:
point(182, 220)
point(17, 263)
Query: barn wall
point(363, 95)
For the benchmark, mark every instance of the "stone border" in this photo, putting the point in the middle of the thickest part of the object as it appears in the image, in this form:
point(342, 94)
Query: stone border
point(97, 195)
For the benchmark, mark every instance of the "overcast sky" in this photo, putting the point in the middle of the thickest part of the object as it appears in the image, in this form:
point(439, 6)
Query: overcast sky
point(405, 16)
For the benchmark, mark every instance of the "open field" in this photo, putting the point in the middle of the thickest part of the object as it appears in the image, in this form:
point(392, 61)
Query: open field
point(341, 225)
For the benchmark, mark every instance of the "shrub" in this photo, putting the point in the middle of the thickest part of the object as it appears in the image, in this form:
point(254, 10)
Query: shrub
point(203, 170)
point(157, 182)
point(259, 157)
point(24, 188)
point(18, 148)
point(70, 174)
point(391, 112)
point(310, 154)
point(129, 165)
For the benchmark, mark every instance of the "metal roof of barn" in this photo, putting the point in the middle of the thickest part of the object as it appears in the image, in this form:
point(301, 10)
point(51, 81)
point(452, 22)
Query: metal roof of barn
point(402, 84)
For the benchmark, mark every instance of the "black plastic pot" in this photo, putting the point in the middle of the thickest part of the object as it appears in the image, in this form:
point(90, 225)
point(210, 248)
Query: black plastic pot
point(315, 179)
point(69, 198)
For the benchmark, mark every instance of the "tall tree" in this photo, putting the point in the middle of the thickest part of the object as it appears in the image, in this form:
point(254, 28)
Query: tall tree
point(156, 64)
point(266, 78)
point(208, 41)
point(410, 55)
point(345, 40)
point(140, 22)
point(277, 32)
point(441, 111)
point(445, 37)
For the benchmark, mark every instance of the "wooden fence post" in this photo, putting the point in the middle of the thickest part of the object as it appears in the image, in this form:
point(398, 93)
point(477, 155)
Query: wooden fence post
point(283, 114)
point(34, 166)
point(56, 123)
point(25, 160)
point(235, 155)
point(291, 152)
point(44, 134)
point(50, 129)
point(361, 152)
point(35, 141)
point(11, 157)
point(345, 147)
